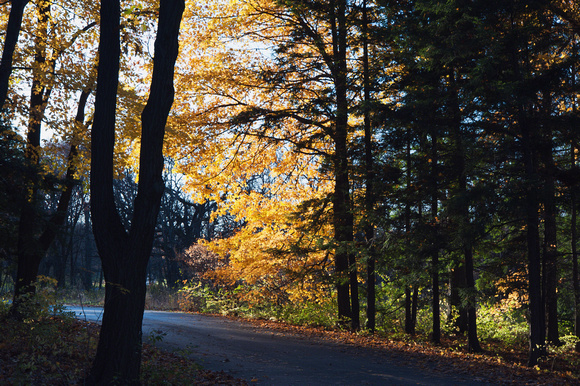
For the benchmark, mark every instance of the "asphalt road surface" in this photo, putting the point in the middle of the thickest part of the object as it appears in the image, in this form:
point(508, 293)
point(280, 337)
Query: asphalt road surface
point(268, 357)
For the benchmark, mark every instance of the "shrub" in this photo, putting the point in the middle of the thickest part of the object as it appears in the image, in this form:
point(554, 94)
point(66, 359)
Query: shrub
point(504, 320)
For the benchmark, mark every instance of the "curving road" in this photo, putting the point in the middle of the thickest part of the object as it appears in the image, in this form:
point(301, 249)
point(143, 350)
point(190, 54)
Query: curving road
point(267, 357)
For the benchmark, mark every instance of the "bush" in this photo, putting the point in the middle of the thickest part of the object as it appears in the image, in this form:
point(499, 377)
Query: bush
point(42, 302)
point(197, 297)
point(504, 321)
point(320, 314)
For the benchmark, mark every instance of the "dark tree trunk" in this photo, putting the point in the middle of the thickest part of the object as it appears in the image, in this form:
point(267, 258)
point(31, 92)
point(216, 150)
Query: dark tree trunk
point(342, 215)
point(436, 335)
point(456, 285)
point(369, 177)
point(124, 255)
point(537, 319)
point(33, 240)
point(10, 40)
point(409, 328)
point(468, 317)
point(472, 339)
point(550, 263)
point(87, 270)
point(410, 298)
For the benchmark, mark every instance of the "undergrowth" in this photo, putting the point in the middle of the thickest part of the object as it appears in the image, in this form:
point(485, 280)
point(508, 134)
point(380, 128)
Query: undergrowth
point(50, 347)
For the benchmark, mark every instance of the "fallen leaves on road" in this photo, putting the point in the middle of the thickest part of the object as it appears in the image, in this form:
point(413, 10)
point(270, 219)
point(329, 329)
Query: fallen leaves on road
point(499, 364)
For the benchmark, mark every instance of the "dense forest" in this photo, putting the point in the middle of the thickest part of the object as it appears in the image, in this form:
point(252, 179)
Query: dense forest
point(403, 165)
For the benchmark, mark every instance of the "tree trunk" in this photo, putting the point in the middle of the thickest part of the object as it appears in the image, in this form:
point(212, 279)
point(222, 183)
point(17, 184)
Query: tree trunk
point(410, 298)
point(118, 355)
point(456, 285)
point(436, 335)
point(124, 255)
point(468, 316)
point(10, 40)
point(342, 215)
point(537, 318)
point(31, 248)
point(550, 263)
point(369, 177)
point(33, 242)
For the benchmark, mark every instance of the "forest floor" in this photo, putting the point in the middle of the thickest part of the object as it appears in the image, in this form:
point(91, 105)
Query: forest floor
point(56, 351)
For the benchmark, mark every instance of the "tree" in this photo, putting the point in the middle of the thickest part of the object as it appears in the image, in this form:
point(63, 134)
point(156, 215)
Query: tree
point(125, 253)
point(294, 103)
point(34, 239)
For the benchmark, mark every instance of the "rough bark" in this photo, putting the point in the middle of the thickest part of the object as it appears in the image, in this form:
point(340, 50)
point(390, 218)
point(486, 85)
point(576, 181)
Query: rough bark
point(125, 254)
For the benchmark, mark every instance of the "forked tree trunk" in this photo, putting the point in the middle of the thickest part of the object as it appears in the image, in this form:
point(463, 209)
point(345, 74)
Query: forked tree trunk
point(125, 254)
point(34, 239)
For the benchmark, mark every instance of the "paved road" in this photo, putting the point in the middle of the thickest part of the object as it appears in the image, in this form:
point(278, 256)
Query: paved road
point(267, 357)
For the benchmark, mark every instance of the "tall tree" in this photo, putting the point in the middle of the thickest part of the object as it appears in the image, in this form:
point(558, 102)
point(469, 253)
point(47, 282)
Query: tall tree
point(297, 101)
point(36, 234)
point(369, 175)
point(125, 253)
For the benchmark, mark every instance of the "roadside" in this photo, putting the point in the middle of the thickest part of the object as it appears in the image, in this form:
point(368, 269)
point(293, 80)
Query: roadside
point(59, 351)
point(272, 353)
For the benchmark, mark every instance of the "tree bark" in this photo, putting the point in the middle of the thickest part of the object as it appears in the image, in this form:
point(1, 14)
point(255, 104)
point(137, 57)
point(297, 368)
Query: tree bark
point(550, 257)
point(369, 177)
point(436, 335)
point(125, 254)
point(468, 316)
point(410, 298)
point(342, 215)
point(10, 40)
point(537, 318)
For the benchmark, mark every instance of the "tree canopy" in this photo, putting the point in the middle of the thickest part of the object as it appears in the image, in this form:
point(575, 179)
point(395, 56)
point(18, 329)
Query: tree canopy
point(368, 155)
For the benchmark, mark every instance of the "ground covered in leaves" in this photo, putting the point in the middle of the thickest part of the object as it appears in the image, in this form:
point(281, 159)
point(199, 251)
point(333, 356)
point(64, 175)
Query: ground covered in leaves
point(59, 350)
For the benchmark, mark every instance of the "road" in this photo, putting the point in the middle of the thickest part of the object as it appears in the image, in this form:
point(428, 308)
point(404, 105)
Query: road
point(268, 357)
